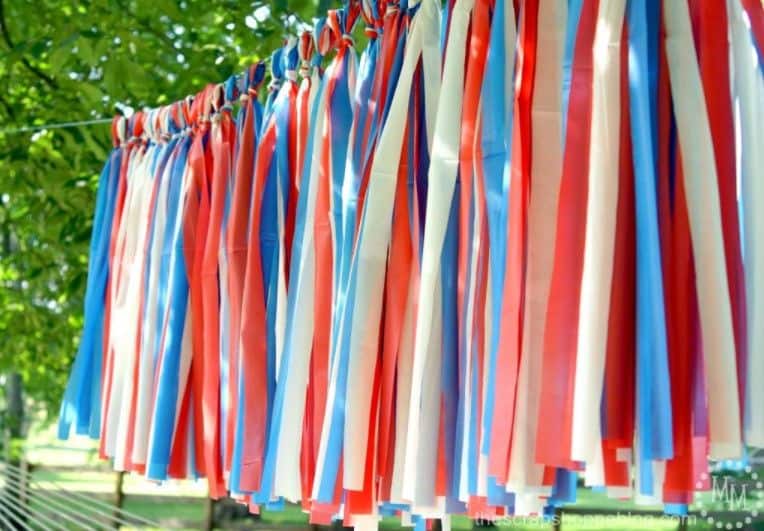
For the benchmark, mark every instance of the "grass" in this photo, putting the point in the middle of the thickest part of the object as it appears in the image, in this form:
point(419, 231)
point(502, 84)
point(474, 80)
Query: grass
point(182, 504)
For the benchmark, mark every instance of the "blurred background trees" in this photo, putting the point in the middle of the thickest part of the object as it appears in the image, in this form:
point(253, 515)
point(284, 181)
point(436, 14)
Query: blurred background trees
point(70, 61)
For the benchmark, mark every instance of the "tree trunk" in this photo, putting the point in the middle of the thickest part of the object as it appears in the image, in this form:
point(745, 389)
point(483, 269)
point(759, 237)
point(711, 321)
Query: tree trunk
point(119, 498)
point(14, 431)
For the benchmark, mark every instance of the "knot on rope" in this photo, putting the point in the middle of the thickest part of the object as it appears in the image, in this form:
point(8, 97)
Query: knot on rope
point(218, 99)
point(321, 39)
point(255, 75)
point(371, 32)
point(231, 91)
point(185, 111)
point(136, 125)
point(305, 69)
point(370, 10)
point(175, 117)
point(347, 40)
point(291, 58)
point(306, 49)
point(118, 130)
point(150, 129)
point(277, 70)
point(159, 124)
point(200, 109)
point(340, 23)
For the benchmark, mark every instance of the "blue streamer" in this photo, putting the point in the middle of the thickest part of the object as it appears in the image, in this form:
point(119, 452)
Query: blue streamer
point(653, 387)
point(173, 323)
point(81, 401)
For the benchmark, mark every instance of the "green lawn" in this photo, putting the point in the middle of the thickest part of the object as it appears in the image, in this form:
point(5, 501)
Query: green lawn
point(180, 508)
point(73, 465)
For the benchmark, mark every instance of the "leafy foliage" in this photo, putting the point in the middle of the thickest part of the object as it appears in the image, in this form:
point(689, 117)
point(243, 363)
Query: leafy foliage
point(68, 61)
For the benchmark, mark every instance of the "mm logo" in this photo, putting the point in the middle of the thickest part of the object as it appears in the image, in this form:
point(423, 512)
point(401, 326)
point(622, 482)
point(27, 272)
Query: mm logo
point(727, 492)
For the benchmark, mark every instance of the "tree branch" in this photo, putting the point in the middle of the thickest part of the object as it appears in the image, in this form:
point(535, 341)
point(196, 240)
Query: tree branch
point(29, 66)
point(8, 108)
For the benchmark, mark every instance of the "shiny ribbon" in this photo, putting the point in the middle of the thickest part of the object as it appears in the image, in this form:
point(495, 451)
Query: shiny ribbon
point(681, 316)
point(700, 175)
point(257, 340)
point(291, 392)
point(544, 136)
point(749, 94)
point(471, 258)
point(508, 355)
point(496, 121)
point(754, 11)
point(129, 295)
point(135, 125)
point(80, 405)
point(561, 333)
point(339, 85)
point(277, 229)
point(713, 55)
point(599, 243)
point(154, 289)
point(358, 412)
point(168, 378)
point(250, 118)
point(653, 416)
point(220, 144)
point(419, 474)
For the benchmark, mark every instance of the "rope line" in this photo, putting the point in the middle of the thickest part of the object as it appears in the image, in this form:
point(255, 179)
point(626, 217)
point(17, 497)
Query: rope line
point(60, 125)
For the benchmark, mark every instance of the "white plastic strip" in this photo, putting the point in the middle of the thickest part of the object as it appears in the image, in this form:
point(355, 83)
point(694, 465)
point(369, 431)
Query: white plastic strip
point(287, 469)
point(594, 305)
point(371, 252)
point(546, 171)
point(424, 409)
point(706, 231)
point(749, 95)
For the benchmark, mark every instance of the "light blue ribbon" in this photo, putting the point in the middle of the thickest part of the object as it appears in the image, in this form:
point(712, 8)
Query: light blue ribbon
point(253, 81)
point(270, 238)
point(654, 418)
point(82, 397)
point(172, 321)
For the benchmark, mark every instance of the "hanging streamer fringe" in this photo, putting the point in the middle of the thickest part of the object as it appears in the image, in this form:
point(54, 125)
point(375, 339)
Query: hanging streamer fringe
point(511, 243)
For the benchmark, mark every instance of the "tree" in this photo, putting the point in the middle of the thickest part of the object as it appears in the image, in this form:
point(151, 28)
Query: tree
point(70, 61)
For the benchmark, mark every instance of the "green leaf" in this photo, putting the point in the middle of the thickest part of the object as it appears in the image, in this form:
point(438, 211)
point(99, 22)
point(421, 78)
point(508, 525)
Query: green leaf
point(90, 93)
point(51, 177)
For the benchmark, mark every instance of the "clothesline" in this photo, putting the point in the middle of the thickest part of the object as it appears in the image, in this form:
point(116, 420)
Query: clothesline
point(59, 125)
